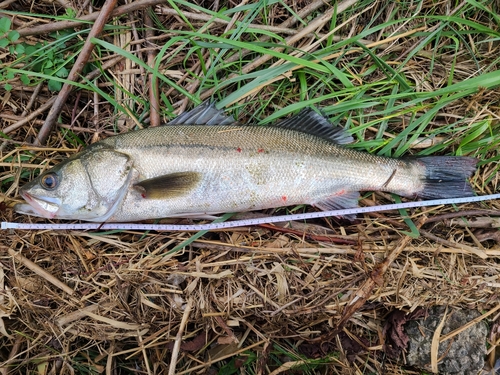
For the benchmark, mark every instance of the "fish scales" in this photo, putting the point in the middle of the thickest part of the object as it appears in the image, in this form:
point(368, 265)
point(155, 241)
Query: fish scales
point(248, 168)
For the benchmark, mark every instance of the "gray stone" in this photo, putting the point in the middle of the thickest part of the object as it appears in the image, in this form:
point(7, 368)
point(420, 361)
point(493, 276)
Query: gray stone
point(462, 354)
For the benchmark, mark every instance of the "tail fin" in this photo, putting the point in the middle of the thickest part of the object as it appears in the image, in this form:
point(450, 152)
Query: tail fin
point(446, 176)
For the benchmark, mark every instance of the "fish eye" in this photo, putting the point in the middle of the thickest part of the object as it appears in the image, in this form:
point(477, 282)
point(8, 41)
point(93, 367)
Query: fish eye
point(50, 181)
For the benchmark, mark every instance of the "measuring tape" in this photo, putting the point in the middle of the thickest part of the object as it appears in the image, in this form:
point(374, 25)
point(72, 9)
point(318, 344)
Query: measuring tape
point(246, 222)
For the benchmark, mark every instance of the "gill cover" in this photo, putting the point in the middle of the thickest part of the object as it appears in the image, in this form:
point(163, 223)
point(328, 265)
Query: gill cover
point(88, 186)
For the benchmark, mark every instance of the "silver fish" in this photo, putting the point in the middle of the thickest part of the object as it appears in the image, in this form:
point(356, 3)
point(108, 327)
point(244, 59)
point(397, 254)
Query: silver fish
point(203, 163)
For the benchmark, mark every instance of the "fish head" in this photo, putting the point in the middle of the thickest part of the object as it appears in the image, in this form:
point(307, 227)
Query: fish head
point(88, 186)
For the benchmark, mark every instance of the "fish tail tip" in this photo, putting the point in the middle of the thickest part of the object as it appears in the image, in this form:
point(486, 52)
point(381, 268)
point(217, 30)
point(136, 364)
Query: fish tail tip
point(446, 176)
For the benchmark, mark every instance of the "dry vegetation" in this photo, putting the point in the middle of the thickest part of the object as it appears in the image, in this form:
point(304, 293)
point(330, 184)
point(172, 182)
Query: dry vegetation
point(262, 299)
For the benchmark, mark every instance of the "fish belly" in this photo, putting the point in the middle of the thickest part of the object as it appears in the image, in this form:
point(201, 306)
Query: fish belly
point(234, 186)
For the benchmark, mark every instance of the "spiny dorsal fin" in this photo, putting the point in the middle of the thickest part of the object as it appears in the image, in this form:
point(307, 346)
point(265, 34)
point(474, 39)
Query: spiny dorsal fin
point(204, 114)
point(168, 186)
point(308, 121)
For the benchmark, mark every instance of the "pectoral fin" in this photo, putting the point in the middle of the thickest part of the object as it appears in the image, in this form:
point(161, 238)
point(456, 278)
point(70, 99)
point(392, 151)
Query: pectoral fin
point(168, 186)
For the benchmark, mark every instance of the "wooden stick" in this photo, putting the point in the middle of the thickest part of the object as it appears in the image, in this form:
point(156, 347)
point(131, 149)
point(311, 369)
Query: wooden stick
point(154, 103)
point(40, 271)
point(178, 338)
point(56, 26)
point(83, 57)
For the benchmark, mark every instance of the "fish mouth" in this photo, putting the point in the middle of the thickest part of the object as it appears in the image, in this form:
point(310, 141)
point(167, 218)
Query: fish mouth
point(46, 207)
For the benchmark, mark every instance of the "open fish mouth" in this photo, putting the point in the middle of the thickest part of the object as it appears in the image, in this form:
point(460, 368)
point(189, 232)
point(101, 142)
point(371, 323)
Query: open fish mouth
point(46, 207)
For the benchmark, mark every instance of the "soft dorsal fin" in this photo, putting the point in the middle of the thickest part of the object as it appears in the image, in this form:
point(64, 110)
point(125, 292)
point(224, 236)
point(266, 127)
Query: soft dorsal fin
point(308, 121)
point(203, 114)
point(168, 186)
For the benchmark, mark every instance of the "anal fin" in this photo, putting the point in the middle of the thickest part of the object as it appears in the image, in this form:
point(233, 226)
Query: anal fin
point(168, 186)
point(339, 201)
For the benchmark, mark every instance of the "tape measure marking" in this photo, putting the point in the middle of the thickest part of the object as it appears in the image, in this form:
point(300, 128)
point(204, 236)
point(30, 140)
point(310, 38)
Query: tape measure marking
point(244, 222)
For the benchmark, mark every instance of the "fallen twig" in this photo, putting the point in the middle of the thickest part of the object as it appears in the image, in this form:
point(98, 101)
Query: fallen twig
point(75, 71)
point(468, 249)
point(452, 215)
point(178, 338)
point(56, 26)
point(40, 271)
point(311, 236)
point(154, 103)
point(476, 222)
point(30, 117)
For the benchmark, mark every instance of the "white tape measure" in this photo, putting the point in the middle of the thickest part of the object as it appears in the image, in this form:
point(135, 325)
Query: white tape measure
point(245, 222)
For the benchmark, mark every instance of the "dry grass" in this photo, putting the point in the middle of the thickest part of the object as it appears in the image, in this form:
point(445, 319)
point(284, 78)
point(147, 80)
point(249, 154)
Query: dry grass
point(262, 299)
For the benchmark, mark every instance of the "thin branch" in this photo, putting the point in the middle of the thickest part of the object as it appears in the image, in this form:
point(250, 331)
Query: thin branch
point(32, 99)
point(75, 71)
point(154, 103)
point(56, 26)
point(452, 215)
point(6, 3)
point(178, 337)
point(455, 245)
point(30, 117)
point(311, 236)
point(209, 18)
point(40, 271)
